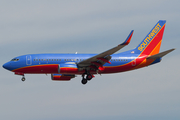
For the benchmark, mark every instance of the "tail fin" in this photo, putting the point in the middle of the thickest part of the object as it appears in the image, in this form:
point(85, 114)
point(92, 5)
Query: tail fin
point(152, 42)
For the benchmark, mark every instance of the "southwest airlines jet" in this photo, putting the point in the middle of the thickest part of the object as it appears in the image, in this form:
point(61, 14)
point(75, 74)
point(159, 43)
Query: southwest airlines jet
point(64, 67)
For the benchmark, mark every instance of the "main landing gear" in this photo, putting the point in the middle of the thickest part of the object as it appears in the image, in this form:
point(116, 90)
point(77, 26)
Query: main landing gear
point(86, 78)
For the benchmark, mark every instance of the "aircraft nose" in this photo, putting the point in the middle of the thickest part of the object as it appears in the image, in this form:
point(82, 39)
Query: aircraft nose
point(7, 66)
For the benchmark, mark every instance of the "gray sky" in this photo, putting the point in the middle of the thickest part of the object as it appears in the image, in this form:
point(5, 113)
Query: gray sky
point(42, 26)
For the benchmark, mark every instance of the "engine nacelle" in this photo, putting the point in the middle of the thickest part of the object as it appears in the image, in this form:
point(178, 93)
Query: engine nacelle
point(60, 77)
point(68, 68)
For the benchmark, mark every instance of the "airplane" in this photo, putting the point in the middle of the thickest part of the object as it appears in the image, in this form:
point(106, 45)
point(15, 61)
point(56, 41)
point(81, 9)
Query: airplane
point(64, 67)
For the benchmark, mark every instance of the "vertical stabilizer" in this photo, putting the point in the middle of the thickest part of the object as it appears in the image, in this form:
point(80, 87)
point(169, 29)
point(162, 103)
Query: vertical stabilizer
point(152, 42)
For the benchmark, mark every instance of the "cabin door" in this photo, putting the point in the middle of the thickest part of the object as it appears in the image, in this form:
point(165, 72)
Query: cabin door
point(28, 60)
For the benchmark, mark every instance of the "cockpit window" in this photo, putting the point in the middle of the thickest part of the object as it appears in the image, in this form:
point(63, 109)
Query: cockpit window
point(15, 59)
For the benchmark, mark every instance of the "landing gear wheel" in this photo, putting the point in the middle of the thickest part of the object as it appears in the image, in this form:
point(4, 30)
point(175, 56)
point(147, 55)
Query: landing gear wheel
point(84, 81)
point(89, 77)
point(23, 79)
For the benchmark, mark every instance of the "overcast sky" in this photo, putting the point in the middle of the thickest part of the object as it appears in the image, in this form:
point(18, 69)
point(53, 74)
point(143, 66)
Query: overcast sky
point(89, 26)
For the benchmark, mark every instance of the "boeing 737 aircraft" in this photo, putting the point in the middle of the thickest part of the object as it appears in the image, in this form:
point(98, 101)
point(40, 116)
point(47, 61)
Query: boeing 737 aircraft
point(64, 67)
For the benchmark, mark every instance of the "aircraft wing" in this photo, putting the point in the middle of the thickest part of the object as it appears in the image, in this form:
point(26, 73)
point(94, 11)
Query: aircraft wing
point(104, 57)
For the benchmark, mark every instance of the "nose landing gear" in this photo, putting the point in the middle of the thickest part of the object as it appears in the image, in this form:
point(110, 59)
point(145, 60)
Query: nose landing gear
point(23, 78)
point(22, 74)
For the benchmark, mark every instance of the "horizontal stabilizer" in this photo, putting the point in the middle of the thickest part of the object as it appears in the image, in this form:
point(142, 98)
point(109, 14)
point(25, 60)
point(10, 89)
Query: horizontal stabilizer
point(160, 55)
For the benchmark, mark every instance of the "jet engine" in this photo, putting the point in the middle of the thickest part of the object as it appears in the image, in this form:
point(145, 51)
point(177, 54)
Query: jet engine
point(68, 68)
point(60, 77)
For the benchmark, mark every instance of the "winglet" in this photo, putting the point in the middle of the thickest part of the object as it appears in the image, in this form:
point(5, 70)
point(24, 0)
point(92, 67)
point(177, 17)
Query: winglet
point(128, 39)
